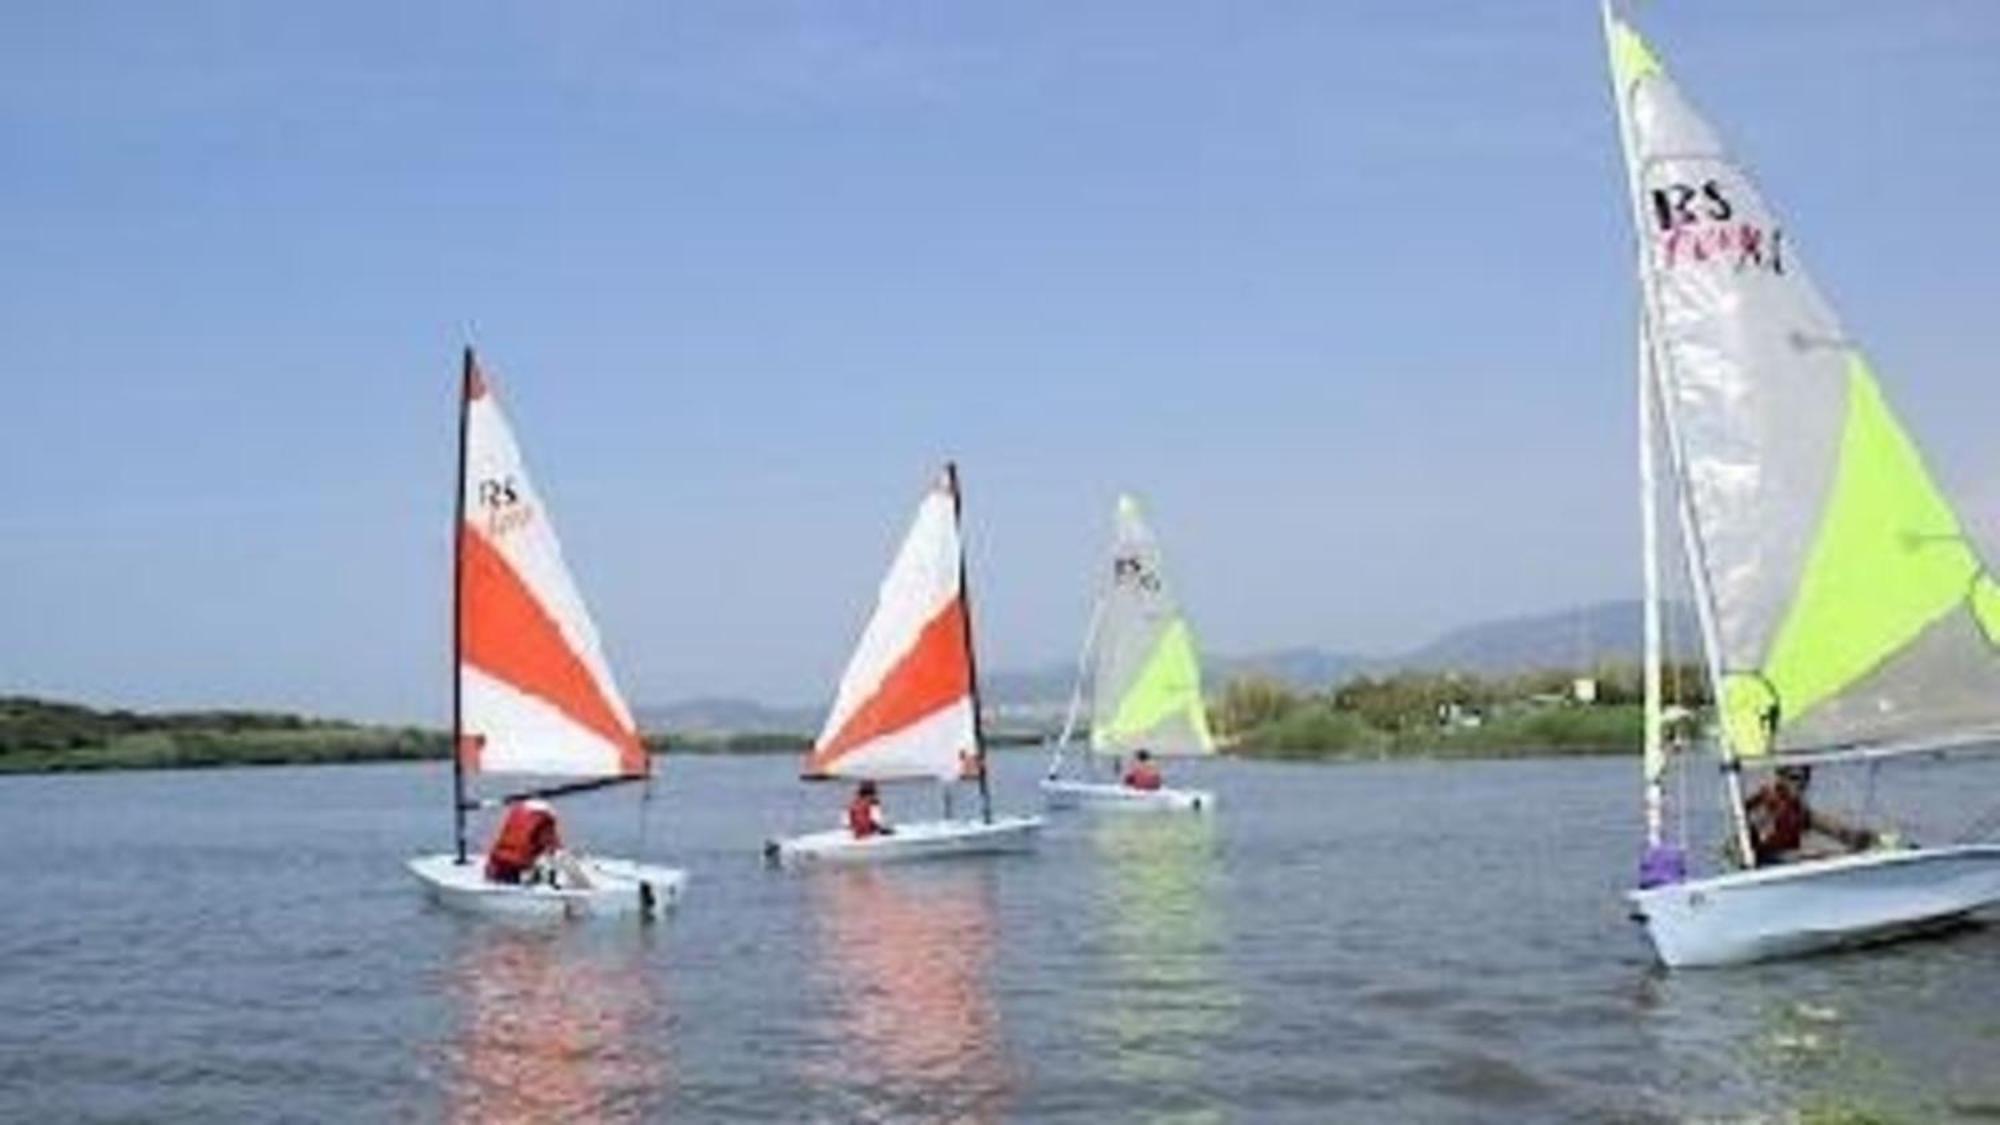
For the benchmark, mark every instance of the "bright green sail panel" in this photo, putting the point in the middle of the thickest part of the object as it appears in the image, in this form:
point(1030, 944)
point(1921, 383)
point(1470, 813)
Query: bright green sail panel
point(1166, 698)
point(1847, 604)
point(1146, 677)
point(1631, 58)
point(1891, 558)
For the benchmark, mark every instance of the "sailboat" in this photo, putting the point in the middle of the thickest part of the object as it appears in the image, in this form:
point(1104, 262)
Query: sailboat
point(908, 704)
point(1844, 613)
point(1145, 683)
point(532, 695)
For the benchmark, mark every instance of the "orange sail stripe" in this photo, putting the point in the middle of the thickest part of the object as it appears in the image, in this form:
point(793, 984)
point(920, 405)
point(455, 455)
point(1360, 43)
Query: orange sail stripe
point(507, 634)
point(934, 675)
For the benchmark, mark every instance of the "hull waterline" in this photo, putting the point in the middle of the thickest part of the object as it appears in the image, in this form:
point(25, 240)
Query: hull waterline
point(1062, 794)
point(620, 888)
point(1816, 906)
point(930, 839)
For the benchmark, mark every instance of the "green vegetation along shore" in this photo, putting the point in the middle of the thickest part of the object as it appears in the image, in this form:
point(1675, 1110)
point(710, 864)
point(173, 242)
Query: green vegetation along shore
point(1408, 714)
point(47, 736)
point(1445, 715)
point(42, 736)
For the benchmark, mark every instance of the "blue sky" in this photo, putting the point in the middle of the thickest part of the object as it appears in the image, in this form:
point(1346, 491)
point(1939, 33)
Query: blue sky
point(1342, 289)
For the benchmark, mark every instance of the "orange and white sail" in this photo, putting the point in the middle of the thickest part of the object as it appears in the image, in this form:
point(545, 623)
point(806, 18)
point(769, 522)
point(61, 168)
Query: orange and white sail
point(905, 706)
point(536, 695)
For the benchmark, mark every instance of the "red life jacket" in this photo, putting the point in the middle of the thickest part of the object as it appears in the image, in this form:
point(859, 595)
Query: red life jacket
point(1144, 775)
point(1778, 822)
point(525, 836)
point(861, 817)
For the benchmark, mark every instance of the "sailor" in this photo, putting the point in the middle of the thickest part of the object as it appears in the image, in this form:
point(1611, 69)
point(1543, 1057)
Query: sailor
point(1143, 774)
point(864, 813)
point(1780, 819)
point(528, 840)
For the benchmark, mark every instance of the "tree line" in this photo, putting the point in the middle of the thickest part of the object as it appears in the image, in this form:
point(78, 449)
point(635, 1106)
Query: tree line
point(1448, 712)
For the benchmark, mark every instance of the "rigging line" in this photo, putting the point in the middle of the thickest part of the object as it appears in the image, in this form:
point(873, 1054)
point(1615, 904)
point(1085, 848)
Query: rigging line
point(1981, 743)
point(1076, 695)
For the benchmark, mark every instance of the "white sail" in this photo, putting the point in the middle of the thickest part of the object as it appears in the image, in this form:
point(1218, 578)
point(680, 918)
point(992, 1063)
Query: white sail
point(1146, 676)
point(537, 696)
point(905, 704)
point(1843, 601)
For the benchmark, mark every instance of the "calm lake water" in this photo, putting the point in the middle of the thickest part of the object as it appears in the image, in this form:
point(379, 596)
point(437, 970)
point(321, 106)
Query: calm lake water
point(1403, 942)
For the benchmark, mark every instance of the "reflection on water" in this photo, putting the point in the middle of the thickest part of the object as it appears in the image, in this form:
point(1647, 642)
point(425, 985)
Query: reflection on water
point(1877, 1035)
point(557, 1024)
point(915, 1032)
point(1166, 1001)
point(1402, 942)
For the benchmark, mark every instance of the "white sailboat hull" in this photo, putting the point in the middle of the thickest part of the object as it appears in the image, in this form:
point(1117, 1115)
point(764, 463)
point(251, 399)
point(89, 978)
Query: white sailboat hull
point(1818, 905)
point(929, 839)
point(620, 888)
point(1064, 794)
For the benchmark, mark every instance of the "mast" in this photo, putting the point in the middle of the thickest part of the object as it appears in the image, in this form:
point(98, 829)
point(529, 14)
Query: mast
point(1653, 752)
point(971, 657)
point(1649, 377)
point(466, 377)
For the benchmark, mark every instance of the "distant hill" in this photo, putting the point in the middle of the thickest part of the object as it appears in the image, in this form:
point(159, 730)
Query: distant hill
point(1605, 632)
point(1300, 667)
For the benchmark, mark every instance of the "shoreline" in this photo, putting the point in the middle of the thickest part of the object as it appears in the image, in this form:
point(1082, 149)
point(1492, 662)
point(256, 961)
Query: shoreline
point(89, 763)
point(39, 737)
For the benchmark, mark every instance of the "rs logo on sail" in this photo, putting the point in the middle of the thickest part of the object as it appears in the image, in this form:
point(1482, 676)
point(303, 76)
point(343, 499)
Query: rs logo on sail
point(1129, 570)
point(501, 505)
point(1698, 224)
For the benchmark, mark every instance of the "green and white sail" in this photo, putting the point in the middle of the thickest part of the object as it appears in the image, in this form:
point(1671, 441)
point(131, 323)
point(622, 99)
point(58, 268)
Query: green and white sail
point(1844, 603)
point(1145, 676)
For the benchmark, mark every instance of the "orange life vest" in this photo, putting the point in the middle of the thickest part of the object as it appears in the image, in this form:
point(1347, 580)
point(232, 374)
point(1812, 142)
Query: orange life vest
point(1144, 775)
point(861, 817)
point(525, 836)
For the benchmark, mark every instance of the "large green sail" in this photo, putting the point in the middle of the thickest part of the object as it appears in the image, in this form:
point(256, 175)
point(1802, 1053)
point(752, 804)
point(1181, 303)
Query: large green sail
point(1146, 678)
point(1848, 605)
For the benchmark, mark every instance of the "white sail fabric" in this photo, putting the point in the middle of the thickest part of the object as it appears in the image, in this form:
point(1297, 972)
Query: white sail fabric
point(904, 708)
point(1847, 603)
point(536, 695)
point(1146, 678)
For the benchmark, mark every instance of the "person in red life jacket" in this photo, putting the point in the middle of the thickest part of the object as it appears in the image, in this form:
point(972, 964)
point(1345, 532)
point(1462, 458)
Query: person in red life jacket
point(528, 835)
point(1143, 774)
point(1780, 820)
point(864, 813)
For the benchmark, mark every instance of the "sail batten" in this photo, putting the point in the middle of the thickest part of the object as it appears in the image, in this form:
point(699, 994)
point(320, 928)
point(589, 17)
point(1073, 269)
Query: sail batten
point(536, 694)
point(1845, 604)
point(1146, 676)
